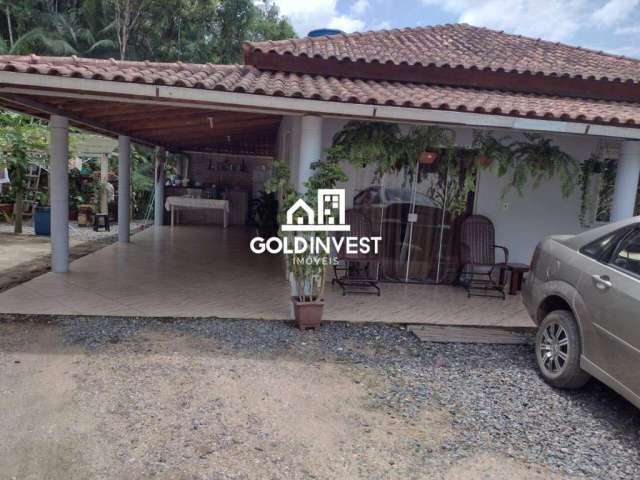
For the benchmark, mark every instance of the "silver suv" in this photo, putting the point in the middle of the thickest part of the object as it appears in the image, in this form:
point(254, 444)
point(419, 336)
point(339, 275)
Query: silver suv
point(583, 292)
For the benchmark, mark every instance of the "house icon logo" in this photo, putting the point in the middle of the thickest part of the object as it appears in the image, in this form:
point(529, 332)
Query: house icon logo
point(330, 215)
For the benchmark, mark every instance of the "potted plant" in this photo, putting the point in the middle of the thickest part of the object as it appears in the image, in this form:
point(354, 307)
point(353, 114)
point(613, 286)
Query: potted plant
point(264, 213)
point(308, 276)
point(42, 215)
point(490, 149)
point(85, 214)
point(307, 270)
point(74, 202)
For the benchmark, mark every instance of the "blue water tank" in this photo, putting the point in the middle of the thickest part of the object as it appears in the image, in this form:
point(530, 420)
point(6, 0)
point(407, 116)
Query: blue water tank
point(322, 32)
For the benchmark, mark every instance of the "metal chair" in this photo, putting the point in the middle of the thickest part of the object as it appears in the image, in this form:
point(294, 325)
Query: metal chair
point(478, 255)
point(353, 273)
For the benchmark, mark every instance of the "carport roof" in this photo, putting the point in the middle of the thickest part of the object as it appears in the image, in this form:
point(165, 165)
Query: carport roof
point(248, 79)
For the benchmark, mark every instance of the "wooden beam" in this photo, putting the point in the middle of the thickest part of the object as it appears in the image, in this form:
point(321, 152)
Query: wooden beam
point(171, 125)
point(217, 141)
point(206, 136)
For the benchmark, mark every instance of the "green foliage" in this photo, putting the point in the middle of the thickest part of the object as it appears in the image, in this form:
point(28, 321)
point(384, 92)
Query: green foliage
point(364, 143)
point(588, 168)
point(42, 199)
point(537, 159)
point(268, 24)
point(235, 17)
point(386, 147)
point(308, 271)
point(264, 213)
point(142, 179)
point(20, 137)
point(492, 152)
point(194, 31)
point(528, 161)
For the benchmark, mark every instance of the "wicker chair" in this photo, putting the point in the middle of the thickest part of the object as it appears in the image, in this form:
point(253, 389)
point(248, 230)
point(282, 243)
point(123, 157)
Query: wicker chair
point(478, 255)
point(357, 273)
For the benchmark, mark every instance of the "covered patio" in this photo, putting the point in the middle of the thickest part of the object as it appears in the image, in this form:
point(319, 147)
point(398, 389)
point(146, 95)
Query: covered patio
point(204, 271)
point(286, 103)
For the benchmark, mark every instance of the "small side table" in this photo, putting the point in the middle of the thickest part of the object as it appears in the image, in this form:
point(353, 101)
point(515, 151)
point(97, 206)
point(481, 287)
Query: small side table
point(517, 271)
point(101, 220)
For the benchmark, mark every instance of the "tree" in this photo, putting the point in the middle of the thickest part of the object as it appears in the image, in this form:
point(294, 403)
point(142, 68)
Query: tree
point(184, 30)
point(235, 19)
point(127, 16)
point(20, 137)
point(268, 24)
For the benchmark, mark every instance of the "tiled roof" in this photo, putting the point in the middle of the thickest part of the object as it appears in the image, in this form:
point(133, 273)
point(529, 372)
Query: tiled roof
point(460, 45)
point(248, 79)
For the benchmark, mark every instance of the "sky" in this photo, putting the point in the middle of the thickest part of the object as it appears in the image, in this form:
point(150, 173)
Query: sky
point(609, 25)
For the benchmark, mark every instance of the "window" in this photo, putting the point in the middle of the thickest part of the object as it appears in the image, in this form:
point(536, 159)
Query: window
point(602, 248)
point(627, 255)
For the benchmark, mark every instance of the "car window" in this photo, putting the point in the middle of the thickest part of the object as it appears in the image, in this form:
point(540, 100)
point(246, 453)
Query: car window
point(602, 248)
point(627, 255)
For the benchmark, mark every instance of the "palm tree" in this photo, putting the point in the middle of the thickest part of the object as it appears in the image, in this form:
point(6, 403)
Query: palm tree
point(80, 32)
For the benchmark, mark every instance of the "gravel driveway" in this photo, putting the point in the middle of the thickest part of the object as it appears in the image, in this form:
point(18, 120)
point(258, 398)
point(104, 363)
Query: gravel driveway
point(210, 399)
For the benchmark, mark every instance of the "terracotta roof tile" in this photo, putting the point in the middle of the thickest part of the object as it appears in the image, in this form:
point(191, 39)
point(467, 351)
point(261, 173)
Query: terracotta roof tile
point(460, 45)
point(248, 79)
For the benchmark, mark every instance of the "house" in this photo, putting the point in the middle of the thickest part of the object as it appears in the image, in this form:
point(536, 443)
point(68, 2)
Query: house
point(291, 97)
point(300, 213)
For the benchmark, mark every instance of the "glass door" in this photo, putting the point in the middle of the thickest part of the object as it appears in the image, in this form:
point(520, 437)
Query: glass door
point(443, 196)
point(418, 216)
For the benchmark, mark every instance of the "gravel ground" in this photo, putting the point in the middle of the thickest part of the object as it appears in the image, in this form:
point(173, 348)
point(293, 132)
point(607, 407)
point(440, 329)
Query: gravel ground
point(385, 404)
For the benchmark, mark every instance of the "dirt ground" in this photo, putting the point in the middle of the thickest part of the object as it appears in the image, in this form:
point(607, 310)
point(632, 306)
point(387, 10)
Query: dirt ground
point(161, 404)
point(26, 256)
point(23, 257)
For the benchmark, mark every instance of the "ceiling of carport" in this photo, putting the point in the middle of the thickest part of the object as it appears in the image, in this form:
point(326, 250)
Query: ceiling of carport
point(173, 127)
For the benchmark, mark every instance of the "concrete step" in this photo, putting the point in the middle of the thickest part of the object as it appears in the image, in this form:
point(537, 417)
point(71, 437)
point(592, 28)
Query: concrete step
point(473, 334)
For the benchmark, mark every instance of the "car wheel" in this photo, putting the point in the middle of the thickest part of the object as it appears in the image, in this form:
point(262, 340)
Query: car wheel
point(558, 349)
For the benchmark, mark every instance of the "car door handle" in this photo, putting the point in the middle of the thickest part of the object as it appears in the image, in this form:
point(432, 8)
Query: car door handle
point(602, 282)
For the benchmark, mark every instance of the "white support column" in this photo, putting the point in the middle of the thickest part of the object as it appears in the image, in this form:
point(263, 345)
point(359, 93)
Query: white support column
point(627, 176)
point(124, 187)
point(310, 148)
point(104, 179)
point(59, 194)
point(158, 213)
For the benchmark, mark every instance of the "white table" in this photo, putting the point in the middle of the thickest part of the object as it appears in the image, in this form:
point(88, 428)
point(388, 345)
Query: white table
point(174, 203)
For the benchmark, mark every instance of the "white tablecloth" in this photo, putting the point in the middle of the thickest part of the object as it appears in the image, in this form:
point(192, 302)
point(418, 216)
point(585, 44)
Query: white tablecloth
point(173, 203)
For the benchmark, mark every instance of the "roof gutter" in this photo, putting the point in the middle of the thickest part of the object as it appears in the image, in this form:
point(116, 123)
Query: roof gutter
point(102, 90)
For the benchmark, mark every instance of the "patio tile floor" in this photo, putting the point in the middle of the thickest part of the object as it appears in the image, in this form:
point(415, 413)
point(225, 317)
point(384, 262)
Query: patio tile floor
point(206, 271)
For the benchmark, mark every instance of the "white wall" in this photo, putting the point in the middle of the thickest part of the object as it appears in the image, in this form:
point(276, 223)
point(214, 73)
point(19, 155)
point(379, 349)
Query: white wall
point(520, 221)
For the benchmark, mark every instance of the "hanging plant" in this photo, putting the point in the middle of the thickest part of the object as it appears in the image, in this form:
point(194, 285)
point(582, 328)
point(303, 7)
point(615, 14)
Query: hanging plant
point(365, 143)
point(384, 145)
point(588, 202)
point(492, 152)
point(537, 159)
point(528, 161)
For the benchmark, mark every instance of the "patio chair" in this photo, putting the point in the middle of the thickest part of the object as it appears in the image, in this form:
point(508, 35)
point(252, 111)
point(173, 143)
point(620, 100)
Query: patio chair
point(478, 255)
point(357, 273)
